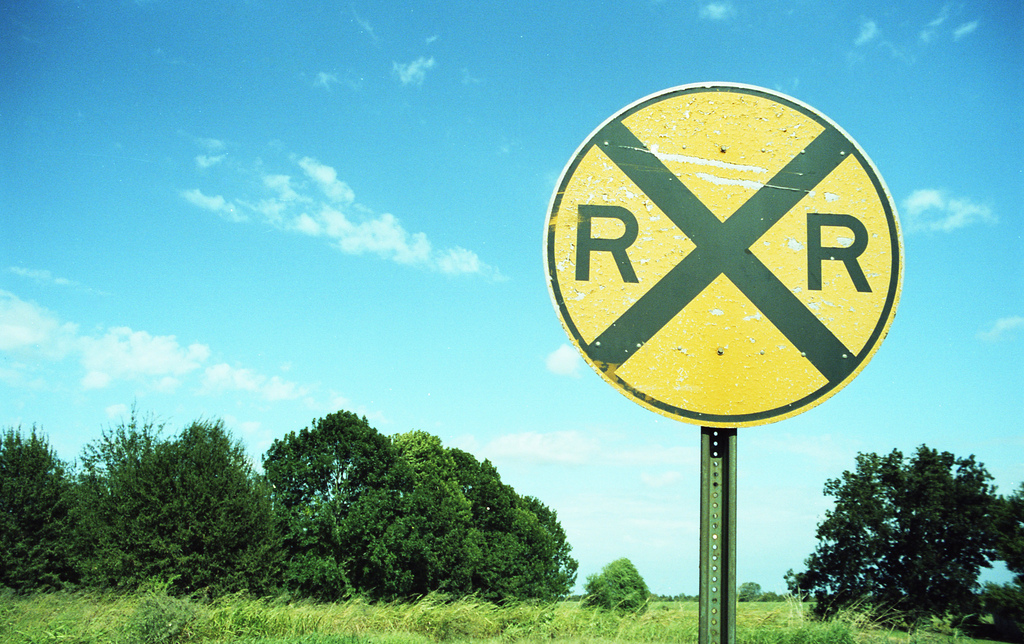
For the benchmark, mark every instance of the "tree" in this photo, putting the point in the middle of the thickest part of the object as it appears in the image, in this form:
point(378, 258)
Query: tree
point(617, 587)
point(439, 554)
point(1006, 601)
point(392, 518)
point(905, 535)
point(519, 549)
point(339, 490)
point(748, 592)
point(1009, 527)
point(35, 521)
point(189, 511)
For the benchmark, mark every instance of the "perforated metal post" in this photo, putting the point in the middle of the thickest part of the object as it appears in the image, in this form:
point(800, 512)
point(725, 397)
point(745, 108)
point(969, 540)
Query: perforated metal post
point(717, 617)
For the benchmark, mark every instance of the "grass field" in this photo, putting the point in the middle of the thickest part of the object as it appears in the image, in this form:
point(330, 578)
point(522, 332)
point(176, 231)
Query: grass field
point(154, 618)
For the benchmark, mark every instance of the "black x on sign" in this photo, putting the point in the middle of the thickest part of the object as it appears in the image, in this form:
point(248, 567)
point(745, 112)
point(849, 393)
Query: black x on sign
point(723, 254)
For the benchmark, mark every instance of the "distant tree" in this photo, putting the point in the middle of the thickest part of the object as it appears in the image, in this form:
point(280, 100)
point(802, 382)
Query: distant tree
point(339, 491)
point(770, 596)
point(1009, 528)
point(748, 592)
point(189, 511)
point(35, 524)
point(906, 535)
point(1006, 601)
point(617, 587)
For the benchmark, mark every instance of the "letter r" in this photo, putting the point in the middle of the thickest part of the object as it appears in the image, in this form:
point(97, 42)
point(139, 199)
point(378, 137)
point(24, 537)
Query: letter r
point(586, 244)
point(848, 255)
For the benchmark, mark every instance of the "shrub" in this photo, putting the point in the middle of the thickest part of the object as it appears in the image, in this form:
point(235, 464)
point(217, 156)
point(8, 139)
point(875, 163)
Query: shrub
point(35, 525)
point(189, 510)
point(160, 619)
point(617, 587)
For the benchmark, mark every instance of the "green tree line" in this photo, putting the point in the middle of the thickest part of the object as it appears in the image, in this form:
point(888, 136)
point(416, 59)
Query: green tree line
point(338, 511)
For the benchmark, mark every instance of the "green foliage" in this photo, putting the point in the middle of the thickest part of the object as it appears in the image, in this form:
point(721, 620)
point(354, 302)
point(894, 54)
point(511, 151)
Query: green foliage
point(906, 535)
point(439, 553)
point(617, 587)
point(115, 618)
point(1006, 602)
point(342, 511)
point(748, 592)
point(518, 547)
point(405, 517)
point(35, 522)
point(160, 619)
point(1009, 528)
point(771, 596)
point(338, 489)
point(188, 510)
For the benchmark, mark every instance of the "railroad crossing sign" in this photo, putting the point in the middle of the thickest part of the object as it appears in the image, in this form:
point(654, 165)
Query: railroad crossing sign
point(724, 254)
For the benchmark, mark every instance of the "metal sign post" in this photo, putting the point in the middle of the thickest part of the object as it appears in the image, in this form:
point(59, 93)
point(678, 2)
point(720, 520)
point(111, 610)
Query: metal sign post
point(717, 614)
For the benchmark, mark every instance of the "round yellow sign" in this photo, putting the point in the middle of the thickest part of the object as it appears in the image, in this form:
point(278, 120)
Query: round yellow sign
point(724, 254)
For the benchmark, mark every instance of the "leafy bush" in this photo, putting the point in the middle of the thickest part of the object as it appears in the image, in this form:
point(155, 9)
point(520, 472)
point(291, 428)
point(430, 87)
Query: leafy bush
point(1006, 603)
point(188, 509)
point(160, 619)
point(617, 587)
point(35, 525)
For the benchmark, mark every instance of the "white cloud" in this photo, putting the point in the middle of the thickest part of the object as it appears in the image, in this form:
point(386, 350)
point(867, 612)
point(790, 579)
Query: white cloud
point(117, 411)
point(282, 184)
point(96, 380)
point(557, 447)
point(365, 26)
point(649, 455)
point(332, 212)
point(215, 204)
point(660, 480)
point(306, 225)
point(929, 31)
point(413, 73)
point(564, 361)
point(717, 11)
point(211, 145)
point(205, 161)
point(29, 330)
point(932, 210)
point(224, 377)
point(456, 261)
point(327, 178)
point(46, 277)
point(965, 29)
point(383, 235)
point(41, 276)
point(126, 354)
point(31, 333)
point(1003, 329)
point(325, 80)
point(868, 32)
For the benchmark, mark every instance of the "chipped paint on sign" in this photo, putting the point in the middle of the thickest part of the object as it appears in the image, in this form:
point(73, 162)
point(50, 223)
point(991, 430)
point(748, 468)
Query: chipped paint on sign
point(768, 247)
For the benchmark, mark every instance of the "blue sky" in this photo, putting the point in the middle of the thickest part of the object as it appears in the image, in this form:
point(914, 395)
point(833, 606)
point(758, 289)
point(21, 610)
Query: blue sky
point(264, 212)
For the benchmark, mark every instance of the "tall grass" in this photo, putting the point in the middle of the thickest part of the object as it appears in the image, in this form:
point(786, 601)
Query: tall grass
point(153, 617)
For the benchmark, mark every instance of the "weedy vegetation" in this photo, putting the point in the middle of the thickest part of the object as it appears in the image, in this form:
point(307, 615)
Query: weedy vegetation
point(151, 616)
